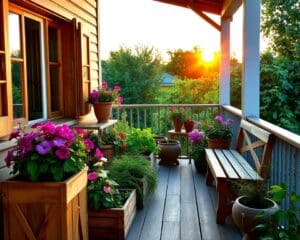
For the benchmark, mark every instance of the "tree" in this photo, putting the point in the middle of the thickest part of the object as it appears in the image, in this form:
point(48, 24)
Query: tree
point(136, 71)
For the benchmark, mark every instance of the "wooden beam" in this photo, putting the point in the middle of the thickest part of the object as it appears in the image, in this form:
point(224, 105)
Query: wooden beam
point(230, 7)
point(206, 18)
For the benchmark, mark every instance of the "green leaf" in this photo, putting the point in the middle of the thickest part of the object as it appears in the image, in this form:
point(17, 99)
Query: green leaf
point(57, 172)
point(69, 166)
point(32, 169)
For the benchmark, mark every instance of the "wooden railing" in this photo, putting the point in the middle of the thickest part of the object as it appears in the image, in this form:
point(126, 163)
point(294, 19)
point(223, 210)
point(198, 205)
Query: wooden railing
point(156, 116)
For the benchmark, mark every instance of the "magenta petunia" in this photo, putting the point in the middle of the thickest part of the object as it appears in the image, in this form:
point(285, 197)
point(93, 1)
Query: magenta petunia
point(15, 134)
point(44, 147)
point(106, 189)
point(120, 100)
point(92, 176)
point(195, 136)
point(25, 142)
point(80, 131)
point(65, 132)
point(62, 153)
point(89, 144)
point(117, 88)
point(9, 158)
point(98, 154)
point(94, 94)
point(47, 128)
point(104, 85)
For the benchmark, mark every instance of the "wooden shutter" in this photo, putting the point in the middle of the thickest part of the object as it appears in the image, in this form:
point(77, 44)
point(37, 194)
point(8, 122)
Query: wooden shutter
point(6, 116)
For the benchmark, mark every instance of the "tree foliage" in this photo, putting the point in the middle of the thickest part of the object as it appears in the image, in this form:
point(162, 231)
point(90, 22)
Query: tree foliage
point(137, 71)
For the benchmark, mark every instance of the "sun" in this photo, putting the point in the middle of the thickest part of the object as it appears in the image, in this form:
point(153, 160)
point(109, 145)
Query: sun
point(207, 56)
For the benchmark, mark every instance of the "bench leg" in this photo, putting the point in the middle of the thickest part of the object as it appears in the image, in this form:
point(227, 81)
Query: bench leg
point(224, 206)
point(209, 177)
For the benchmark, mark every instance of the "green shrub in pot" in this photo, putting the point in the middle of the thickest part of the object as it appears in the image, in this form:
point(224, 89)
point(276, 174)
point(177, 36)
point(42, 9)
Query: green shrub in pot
point(134, 171)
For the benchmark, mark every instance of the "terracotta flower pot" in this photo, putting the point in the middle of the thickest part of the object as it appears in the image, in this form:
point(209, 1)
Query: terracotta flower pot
point(177, 125)
point(169, 152)
point(218, 143)
point(188, 125)
point(246, 217)
point(102, 111)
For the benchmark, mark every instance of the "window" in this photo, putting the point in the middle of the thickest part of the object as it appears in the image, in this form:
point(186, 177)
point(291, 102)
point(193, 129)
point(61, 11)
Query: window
point(35, 67)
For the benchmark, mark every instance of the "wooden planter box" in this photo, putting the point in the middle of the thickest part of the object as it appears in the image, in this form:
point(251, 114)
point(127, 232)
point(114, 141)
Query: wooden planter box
point(46, 210)
point(112, 223)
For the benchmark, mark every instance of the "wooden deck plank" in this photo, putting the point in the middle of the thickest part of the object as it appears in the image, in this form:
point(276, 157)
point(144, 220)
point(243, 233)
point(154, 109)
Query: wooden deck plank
point(187, 190)
point(170, 231)
point(153, 222)
point(174, 180)
point(172, 208)
point(137, 225)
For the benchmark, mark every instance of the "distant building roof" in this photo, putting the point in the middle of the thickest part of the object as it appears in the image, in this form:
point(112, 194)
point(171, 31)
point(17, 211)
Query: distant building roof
point(167, 80)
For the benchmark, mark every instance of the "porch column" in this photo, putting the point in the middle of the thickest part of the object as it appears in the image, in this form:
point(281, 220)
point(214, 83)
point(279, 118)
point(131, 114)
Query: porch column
point(224, 95)
point(251, 67)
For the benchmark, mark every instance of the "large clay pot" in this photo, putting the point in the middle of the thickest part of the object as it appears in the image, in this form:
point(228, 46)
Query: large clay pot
point(188, 125)
point(215, 143)
point(177, 125)
point(169, 150)
point(102, 111)
point(246, 217)
point(159, 138)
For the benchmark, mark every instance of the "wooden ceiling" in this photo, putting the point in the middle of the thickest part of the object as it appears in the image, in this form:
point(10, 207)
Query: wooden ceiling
point(209, 6)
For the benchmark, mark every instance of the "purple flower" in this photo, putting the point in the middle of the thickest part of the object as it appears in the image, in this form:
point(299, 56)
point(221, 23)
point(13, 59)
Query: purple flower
point(65, 132)
point(219, 119)
point(58, 142)
point(44, 147)
point(94, 94)
point(15, 134)
point(106, 189)
point(92, 176)
point(195, 136)
point(62, 153)
point(89, 144)
point(25, 142)
point(9, 158)
point(98, 154)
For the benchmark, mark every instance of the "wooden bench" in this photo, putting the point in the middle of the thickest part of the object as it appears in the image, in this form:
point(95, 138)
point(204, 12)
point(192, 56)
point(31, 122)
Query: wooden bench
point(227, 167)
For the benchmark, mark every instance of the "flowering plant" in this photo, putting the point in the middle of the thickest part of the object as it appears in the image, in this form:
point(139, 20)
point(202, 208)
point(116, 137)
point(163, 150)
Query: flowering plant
point(102, 191)
point(219, 129)
point(199, 144)
point(106, 95)
point(49, 152)
point(177, 113)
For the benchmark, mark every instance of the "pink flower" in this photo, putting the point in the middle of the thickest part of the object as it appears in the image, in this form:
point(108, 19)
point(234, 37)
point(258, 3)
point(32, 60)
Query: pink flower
point(15, 134)
point(219, 119)
point(25, 142)
point(80, 131)
point(62, 153)
point(120, 100)
point(195, 136)
point(106, 189)
point(94, 94)
point(65, 132)
point(89, 144)
point(104, 85)
point(47, 128)
point(92, 176)
point(117, 88)
point(98, 154)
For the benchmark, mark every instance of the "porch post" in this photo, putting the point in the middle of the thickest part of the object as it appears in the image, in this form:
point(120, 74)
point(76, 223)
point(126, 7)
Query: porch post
point(224, 95)
point(251, 67)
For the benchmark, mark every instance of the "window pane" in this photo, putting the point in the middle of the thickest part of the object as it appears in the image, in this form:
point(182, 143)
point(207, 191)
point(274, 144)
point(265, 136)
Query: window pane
point(16, 72)
point(85, 50)
point(85, 73)
point(54, 82)
point(53, 44)
point(14, 35)
point(34, 75)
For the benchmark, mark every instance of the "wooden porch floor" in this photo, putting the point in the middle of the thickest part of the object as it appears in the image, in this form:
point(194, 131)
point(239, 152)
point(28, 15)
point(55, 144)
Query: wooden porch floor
point(182, 208)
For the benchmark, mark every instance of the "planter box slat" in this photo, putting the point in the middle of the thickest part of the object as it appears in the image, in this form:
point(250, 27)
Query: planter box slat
point(112, 223)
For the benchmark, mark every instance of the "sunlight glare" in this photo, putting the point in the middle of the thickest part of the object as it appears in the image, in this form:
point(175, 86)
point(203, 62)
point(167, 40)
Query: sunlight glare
point(207, 56)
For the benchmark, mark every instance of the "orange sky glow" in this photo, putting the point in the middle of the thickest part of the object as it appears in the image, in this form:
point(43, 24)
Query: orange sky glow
point(145, 22)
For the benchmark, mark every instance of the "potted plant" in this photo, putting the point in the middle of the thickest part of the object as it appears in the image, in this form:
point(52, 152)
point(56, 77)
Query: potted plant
point(50, 177)
point(177, 115)
point(134, 171)
point(252, 201)
point(102, 100)
point(285, 223)
point(188, 125)
point(198, 150)
point(111, 210)
point(219, 133)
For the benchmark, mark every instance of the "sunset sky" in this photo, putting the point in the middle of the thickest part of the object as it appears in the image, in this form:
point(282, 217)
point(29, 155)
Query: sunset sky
point(165, 27)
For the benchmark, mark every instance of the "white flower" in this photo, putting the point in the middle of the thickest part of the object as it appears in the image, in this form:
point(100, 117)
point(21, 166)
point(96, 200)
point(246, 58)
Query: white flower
point(98, 164)
point(103, 159)
point(103, 174)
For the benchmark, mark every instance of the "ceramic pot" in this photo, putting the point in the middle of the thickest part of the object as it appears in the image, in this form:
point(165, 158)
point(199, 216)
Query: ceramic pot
point(246, 217)
point(159, 138)
point(102, 111)
point(188, 125)
point(177, 125)
point(215, 143)
point(169, 152)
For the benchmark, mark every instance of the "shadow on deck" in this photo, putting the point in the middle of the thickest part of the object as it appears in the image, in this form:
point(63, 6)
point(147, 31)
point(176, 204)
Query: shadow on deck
point(182, 208)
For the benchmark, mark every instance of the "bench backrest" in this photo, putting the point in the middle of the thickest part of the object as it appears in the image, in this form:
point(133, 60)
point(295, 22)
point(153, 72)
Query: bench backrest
point(264, 140)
